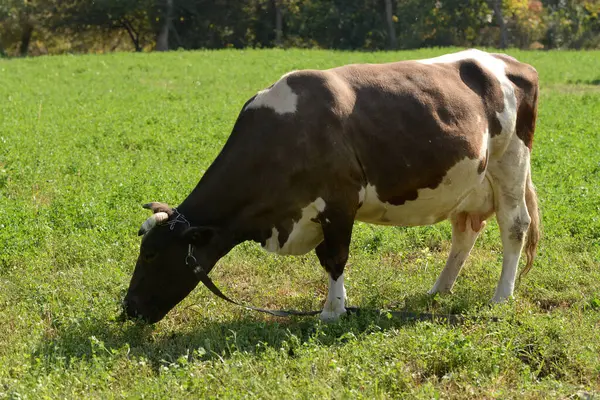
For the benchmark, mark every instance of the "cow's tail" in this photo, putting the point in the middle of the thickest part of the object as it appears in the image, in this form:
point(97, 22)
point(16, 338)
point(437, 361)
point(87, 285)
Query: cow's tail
point(534, 231)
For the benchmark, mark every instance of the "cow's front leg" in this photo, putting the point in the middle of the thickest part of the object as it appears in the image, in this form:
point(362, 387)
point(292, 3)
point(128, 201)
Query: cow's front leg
point(335, 305)
point(333, 255)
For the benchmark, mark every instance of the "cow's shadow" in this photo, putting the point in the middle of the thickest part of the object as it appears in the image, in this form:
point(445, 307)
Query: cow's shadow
point(594, 82)
point(252, 333)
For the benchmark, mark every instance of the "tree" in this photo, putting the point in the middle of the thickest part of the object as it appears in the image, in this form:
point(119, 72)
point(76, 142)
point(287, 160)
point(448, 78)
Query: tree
point(497, 7)
point(18, 19)
point(133, 16)
point(278, 23)
point(162, 38)
point(389, 18)
point(572, 24)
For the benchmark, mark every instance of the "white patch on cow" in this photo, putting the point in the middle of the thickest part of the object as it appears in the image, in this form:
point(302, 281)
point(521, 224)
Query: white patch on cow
point(493, 64)
point(280, 98)
point(361, 195)
point(319, 204)
point(506, 284)
point(508, 116)
point(272, 243)
point(306, 234)
point(335, 305)
point(431, 205)
point(483, 151)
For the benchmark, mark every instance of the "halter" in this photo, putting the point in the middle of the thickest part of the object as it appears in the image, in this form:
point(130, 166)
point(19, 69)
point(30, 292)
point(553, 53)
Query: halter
point(179, 218)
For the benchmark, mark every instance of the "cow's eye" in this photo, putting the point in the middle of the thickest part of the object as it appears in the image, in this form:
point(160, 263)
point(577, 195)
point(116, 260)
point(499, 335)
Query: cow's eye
point(149, 256)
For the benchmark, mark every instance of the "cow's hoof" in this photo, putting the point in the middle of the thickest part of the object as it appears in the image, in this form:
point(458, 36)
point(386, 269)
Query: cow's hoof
point(500, 299)
point(332, 315)
point(435, 290)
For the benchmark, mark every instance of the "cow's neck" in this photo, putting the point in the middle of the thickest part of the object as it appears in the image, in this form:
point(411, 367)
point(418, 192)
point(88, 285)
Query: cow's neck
point(222, 203)
point(243, 197)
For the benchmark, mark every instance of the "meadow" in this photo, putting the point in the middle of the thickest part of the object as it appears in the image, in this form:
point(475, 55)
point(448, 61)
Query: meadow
point(86, 140)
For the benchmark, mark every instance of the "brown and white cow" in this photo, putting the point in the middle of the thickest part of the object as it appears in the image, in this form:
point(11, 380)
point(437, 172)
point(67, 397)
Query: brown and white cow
point(406, 143)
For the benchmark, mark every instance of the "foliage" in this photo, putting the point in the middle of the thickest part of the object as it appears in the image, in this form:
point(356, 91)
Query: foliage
point(435, 23)
point(84, 141)
point(52, 26)
point(573, 24)
point(134, 16)
point(223, 23)
point(17, 16)
point(338, 24)
point(526, 21)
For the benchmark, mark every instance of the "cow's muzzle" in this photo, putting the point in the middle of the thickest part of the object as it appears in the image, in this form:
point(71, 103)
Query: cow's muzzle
point(133, 309)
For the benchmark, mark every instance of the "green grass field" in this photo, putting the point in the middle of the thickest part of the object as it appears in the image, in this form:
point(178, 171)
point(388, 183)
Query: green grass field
point(85, 140)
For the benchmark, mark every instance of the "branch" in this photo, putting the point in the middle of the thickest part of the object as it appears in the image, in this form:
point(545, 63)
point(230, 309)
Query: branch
point(132, 33)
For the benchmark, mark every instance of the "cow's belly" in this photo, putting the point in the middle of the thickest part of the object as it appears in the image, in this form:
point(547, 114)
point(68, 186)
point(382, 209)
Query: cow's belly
point(463, 188)
point(431, 205)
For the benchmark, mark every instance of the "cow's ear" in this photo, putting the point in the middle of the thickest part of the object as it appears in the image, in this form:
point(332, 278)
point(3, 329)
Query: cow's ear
point(198, 235)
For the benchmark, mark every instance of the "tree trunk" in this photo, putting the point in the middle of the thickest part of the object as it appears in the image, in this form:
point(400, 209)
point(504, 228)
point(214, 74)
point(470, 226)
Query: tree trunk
point(162, 38)
point(389, 17)
point(25, 39)
point(278, 24)
point(133, 35)
point(497, 6)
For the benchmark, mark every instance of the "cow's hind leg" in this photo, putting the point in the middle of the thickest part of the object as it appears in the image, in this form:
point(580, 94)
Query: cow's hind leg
point(333, 255)
point(465, 229)
point(510, 181)
point(467, 222)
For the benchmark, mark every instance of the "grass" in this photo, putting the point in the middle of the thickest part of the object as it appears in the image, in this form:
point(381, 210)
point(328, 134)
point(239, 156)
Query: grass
point(85, 140)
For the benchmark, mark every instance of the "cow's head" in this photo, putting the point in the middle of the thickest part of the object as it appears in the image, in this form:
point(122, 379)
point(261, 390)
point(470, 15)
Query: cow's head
point(163, 274)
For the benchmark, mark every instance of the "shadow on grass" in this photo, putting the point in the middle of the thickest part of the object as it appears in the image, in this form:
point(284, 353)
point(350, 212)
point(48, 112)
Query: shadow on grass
point(95, 338)
point(585, 81)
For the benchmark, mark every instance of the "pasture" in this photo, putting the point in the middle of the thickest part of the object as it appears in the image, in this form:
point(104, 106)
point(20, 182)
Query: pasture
point(86, 140)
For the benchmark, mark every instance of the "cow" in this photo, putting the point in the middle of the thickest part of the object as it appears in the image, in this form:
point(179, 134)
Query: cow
point(406, 143)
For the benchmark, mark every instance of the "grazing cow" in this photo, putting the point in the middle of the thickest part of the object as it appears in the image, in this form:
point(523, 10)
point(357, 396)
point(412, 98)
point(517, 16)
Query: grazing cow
point(405, 143)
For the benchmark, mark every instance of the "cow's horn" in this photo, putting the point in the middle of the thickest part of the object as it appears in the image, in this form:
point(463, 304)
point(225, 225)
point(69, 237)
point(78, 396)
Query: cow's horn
point(155, 219)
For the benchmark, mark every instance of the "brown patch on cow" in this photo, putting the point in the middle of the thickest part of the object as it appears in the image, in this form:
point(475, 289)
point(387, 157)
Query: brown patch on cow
point(399, 200)
point(483, 163)
point(525, 80)
point(412, 122)
point(320, 219)
point(284, 230)
point(518, 229)
point(283, 237)
point(526, 117)
point(488, 88)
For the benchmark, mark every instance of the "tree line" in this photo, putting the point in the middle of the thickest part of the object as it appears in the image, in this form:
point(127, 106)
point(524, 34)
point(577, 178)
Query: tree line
point(32, 27)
